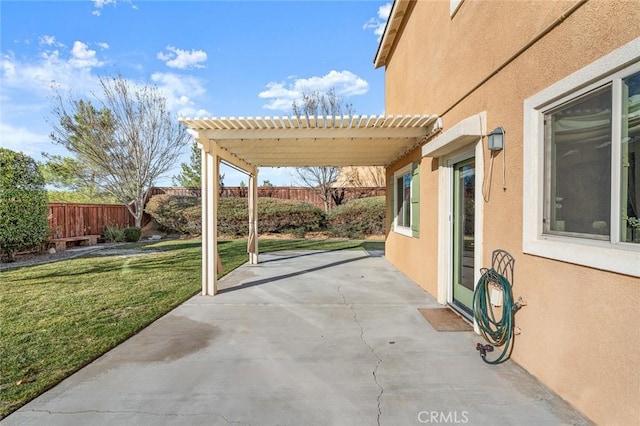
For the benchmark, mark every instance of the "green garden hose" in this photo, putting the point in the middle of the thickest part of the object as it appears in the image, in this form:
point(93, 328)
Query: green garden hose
point(498, 332)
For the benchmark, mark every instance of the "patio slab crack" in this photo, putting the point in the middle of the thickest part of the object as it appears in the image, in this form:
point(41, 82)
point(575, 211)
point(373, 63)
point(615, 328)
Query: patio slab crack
point(379, 360)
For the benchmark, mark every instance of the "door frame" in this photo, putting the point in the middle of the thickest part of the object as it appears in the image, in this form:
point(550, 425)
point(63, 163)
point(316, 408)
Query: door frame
point(458, 250)
point(445, 217)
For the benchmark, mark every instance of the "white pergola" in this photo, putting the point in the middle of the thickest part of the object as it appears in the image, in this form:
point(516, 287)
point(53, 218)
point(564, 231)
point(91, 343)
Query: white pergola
point(250, 143)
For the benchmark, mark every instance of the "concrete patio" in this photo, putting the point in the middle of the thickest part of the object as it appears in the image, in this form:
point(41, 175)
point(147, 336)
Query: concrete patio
point(303, 338)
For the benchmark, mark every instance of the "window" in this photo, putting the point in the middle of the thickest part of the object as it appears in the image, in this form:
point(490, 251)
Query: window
point(578, 166)
point(406, 193)
point(579, 144)
point(582, 166)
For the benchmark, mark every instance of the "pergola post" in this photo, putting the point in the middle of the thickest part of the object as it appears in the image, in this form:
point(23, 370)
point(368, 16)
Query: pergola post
point(210, 177)
point(252, 244)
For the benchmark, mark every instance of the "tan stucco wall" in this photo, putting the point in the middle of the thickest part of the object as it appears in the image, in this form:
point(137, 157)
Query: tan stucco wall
point(414, 256)
point(579, 332)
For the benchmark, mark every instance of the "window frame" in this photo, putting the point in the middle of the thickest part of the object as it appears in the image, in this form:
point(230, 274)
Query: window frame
point(402, 229)
point(610, 254)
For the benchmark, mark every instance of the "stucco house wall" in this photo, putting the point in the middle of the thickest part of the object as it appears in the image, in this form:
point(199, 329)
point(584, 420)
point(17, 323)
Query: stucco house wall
point(579, 334)
point(416, 256)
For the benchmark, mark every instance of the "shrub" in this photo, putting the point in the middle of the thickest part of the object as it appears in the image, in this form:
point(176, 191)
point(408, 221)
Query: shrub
point(178, 213)
point(183, 214)
point(23, 203)
point(288, 216)
point(357, 218)
point(132, 234)
point(113, 234)
point(274, 216)
point(233, 216)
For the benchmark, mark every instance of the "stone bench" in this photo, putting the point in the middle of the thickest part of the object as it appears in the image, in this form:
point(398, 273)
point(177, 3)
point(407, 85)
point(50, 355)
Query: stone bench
point(83, 240)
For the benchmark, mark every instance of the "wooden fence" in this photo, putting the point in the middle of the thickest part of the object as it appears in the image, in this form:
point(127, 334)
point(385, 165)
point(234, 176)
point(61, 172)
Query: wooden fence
point(306, 195)
point(74, 220)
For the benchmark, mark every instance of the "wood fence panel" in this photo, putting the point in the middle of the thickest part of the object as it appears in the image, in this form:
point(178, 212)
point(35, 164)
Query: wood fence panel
point(75, 220)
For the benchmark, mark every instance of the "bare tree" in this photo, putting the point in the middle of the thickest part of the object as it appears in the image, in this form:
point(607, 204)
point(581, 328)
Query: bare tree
point(129, 141)
point(328, 104)
point(320, 179)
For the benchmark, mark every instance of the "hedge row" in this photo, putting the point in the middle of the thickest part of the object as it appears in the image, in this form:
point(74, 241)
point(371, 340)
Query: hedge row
point(182, 214)
point(357, 218)
point(178, 213)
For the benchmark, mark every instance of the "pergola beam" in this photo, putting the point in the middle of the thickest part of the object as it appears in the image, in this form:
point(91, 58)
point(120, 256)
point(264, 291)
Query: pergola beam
point(317, 133)
point(212, 146)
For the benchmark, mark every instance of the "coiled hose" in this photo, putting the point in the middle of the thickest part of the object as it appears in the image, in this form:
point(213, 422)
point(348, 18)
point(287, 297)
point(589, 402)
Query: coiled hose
point(498, 332)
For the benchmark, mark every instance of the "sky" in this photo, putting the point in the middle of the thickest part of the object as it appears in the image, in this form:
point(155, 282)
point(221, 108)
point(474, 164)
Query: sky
point(209, 59)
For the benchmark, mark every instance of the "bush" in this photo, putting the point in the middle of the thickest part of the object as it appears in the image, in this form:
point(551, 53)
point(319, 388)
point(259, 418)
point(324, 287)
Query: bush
point(233, 216)
point(183, 214)
point(288, 216)
point(132, 234)
point(177, 213)
point(274, 216)
point(357, 218)
point(354, 219)
point(23, 203)
point(113, 234)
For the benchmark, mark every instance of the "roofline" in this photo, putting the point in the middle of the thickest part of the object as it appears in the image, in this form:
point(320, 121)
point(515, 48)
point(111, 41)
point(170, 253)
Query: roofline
point(391, 30)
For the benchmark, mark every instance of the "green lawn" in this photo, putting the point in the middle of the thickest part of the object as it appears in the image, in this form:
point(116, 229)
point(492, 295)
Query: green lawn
point(57, 317)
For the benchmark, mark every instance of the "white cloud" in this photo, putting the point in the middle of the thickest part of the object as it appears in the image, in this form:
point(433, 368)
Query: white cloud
point(183, 59)
point(280, 95)
point(180, 92)
point(83, 57)
point(22, 139)
point(378, 24)
point(103, 45)
point(193, 112)
point(49, 40)
point(25, 94)
point(99, 5)
point(57, 68)
point(384, 11)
